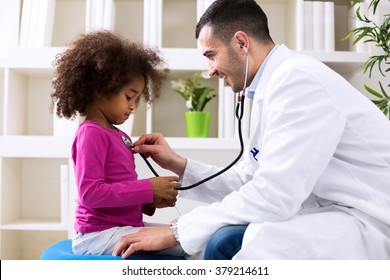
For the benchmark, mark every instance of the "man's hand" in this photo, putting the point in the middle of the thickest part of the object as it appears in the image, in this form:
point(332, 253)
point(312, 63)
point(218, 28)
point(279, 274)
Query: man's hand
point(155, 146)
point(147, 239)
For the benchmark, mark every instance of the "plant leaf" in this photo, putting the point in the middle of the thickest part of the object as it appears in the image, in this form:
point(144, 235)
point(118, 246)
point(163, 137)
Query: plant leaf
point(373, 92)
point(364, 33)
point(383, 90)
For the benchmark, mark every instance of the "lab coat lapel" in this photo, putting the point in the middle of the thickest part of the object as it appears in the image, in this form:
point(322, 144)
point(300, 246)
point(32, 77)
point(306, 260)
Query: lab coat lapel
point(257, 121)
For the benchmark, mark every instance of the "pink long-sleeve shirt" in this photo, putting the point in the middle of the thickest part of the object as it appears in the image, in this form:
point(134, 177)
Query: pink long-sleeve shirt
point(109, 192)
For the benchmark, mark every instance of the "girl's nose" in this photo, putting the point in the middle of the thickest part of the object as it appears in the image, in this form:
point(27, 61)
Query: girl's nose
point(133, 105)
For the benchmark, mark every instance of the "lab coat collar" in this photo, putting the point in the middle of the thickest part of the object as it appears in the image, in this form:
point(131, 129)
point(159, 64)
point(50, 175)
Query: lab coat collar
point(252, 88)
point(280, 54)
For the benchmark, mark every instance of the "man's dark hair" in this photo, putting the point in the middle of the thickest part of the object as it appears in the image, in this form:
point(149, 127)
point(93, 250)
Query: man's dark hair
point(229, 16)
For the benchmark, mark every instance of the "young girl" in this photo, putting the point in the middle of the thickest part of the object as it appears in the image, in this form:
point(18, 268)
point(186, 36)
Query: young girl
point(102, 76)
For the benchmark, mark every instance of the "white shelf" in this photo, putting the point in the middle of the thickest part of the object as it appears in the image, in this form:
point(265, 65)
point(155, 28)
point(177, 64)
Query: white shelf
point(34, 224)
point(185, 59)
point(33, 59)
point(39, 62)
point(35, 146)
point(341, 61)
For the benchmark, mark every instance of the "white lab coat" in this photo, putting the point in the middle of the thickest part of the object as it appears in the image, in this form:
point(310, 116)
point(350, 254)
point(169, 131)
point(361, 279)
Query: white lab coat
point(319, 187)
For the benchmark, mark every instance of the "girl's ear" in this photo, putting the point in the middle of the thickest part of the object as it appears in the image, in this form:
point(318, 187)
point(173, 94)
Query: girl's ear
point(98, 95)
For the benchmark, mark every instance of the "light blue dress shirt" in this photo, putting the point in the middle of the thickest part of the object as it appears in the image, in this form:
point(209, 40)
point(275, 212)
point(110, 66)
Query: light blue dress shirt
point(252, 88)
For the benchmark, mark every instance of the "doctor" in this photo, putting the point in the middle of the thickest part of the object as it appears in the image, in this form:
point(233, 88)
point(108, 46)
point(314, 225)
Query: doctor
point(314, 182)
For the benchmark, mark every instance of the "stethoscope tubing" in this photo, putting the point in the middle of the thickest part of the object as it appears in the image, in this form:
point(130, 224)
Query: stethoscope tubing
point(239, 114)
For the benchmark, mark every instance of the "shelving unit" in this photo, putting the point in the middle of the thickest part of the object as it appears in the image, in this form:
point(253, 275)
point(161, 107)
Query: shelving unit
point(36, 177)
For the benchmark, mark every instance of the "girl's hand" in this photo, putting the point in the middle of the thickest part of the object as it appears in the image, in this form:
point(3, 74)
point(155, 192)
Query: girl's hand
point(165, 190)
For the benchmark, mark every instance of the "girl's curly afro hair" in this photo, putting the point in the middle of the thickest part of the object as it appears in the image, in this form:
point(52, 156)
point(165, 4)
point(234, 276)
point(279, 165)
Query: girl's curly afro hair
point(102, 63)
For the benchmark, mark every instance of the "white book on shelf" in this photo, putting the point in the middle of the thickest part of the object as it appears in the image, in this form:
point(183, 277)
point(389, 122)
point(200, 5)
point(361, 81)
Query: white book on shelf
point(147, 7)
point(229, 112)
point(48, 21)
point(37, 23)
point(152, 22)
point(94, 15)
point(201, 7)
point(154, 17)
point(299, 26)
point(100, 15)
point(318, 26)
point(353, 23)
point(329, 32)
point(109, 15)
point(308, 25)
point(25, 22)
point(207, 4)
point(5, 19)
point(89, 16)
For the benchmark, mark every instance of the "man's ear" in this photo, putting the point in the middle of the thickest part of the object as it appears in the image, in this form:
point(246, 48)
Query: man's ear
point(242, 39)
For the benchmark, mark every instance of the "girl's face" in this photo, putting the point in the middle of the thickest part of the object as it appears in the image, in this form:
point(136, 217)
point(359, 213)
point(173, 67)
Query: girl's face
point(117, 109)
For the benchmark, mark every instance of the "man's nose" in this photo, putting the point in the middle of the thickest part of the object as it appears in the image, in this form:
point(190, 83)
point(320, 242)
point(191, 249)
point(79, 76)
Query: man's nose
point(212, 70)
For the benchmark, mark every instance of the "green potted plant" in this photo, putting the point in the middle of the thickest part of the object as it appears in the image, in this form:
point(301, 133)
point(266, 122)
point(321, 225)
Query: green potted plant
point(379, 34)
point(196, 96)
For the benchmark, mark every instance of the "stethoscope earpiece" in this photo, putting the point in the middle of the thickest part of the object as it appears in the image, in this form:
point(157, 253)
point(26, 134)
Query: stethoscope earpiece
point(242, 46)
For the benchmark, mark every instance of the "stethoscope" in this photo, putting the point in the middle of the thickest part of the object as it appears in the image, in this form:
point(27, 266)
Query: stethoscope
point(239, 114)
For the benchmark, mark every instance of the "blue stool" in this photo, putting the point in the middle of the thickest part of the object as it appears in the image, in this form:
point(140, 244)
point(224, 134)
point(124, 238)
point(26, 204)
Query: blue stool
point(62, 250)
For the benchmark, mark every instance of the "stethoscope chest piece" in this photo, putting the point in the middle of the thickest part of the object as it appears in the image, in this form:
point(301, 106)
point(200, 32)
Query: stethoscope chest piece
point(127, 142)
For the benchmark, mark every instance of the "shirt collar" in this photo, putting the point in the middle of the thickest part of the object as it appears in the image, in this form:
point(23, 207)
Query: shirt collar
point(252, 88)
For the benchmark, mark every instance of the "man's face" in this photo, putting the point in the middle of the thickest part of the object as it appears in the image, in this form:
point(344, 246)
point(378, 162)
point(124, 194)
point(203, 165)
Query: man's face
point(223, 60)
